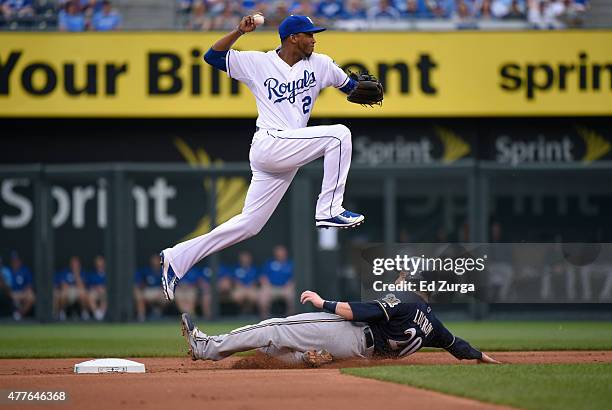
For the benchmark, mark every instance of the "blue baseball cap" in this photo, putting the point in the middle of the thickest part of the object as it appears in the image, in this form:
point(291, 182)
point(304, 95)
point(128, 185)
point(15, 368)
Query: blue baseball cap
point(297, 24)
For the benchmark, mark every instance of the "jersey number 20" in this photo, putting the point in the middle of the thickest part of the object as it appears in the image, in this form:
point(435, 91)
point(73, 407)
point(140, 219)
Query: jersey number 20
point(409, 346)
point(306, 107)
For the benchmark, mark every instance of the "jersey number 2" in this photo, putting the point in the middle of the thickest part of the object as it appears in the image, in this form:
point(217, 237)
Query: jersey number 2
point(306, 107)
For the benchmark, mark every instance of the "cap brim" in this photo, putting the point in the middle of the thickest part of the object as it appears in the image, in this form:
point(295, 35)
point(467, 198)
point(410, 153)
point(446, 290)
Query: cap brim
point(315, 30)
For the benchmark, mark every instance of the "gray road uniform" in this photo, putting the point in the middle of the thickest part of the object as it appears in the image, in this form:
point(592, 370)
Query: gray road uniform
point(386, 327)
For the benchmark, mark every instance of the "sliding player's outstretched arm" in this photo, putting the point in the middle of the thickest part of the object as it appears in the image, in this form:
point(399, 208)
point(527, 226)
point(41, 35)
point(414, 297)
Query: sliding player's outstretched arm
point(456, 346)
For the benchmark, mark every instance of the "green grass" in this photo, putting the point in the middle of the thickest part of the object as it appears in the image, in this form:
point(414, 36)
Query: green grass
point(501, 335)
point(538, 387)
point(98, 340)
point(164, 339)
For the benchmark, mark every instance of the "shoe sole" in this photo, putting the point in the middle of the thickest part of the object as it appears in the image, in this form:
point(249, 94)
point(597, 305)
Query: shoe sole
point(185, 332)
point(315, 359)
point(164, 279)
point(341, 226)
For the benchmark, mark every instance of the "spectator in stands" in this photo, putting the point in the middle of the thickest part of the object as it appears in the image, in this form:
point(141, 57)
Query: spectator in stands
point(248, 6)
point(5, 274)
point(410, 8)
point(148, 294)
point(225, 283)
point(384, 10)
point(573, 13)
point(12, 9)
point(277, 14)
point(505, 9)
point(216, 7)
point(581, 5)
point(517, 10)
point(228, 18)
point(354, 10)
point(186, 293)
point(438, 8)
point(464, 9)
point(245, 275)
point(71, 18)
point(107, 19)
point(546, 14)
point(329, 10)
point(6, 300)
point(184, 9)
point(199, 20)
point(90, 8)
point(22, 289)
point(483, 10)
point(70, 290)
point(302, 8)
point(277, 282)
point(96, 288)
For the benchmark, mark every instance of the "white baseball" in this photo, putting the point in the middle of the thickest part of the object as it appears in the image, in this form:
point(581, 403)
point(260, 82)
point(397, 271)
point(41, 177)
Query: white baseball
point(258, 19)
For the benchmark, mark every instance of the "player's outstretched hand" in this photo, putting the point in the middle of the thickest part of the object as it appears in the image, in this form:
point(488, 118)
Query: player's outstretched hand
point(312, 297)
point(488, 359)
point(247, 24)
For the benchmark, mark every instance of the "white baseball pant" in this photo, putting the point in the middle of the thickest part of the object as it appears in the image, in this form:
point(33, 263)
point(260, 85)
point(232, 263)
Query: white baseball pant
point(275, 157)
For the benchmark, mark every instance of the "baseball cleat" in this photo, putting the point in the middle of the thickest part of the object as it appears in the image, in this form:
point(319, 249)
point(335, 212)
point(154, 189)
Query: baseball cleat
point(346, 219)
point(192, 335)
point(168, 277)
point(316, 358)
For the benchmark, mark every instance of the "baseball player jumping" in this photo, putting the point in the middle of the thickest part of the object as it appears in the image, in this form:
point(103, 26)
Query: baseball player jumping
point(385, 328)
point(285, 83)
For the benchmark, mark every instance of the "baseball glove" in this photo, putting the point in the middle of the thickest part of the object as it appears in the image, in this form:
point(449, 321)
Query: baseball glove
point(369, 90)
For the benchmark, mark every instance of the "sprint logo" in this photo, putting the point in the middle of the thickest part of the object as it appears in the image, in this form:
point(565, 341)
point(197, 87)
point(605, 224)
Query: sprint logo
point(454, 147)
point(596, 146)
point(231, 191)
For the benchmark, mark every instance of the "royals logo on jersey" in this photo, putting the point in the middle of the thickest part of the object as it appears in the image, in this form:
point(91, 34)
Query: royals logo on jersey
point(278, 91)
point(284, 94)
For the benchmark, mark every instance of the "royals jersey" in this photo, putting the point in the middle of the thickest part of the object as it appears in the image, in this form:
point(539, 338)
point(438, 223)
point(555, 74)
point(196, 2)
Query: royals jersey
point(401, 328)
point(284, 94)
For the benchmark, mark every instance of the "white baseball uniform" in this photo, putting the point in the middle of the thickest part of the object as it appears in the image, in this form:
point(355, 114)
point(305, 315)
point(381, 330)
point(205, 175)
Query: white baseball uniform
point(285, 96)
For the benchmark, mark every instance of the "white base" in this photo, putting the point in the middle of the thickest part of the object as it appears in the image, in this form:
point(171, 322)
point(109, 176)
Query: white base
point(109, 366)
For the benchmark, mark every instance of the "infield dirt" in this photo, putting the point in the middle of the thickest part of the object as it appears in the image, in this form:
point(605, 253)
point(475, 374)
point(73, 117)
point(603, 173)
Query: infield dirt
point(252, 382)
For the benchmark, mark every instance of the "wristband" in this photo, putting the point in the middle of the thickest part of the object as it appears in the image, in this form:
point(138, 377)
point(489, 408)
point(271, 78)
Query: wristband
point(329, 306)
point(240, 31)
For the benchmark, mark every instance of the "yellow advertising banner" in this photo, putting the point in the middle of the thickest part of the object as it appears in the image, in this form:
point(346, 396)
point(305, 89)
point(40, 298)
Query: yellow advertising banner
point(424, 74)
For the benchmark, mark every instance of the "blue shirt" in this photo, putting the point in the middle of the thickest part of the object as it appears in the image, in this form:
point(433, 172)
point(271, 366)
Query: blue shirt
point(106, 22)
point(147, 277)
point(278, 273)
point(67, 277)
point(330, 9)
point(95, 279)
point(206, 274)
point(17, 4)
point(225, 271)
point(71, 22)
point(21, 279)
point(6, 276)
point(191, 277)
point(402, 7)
point(246, 276)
